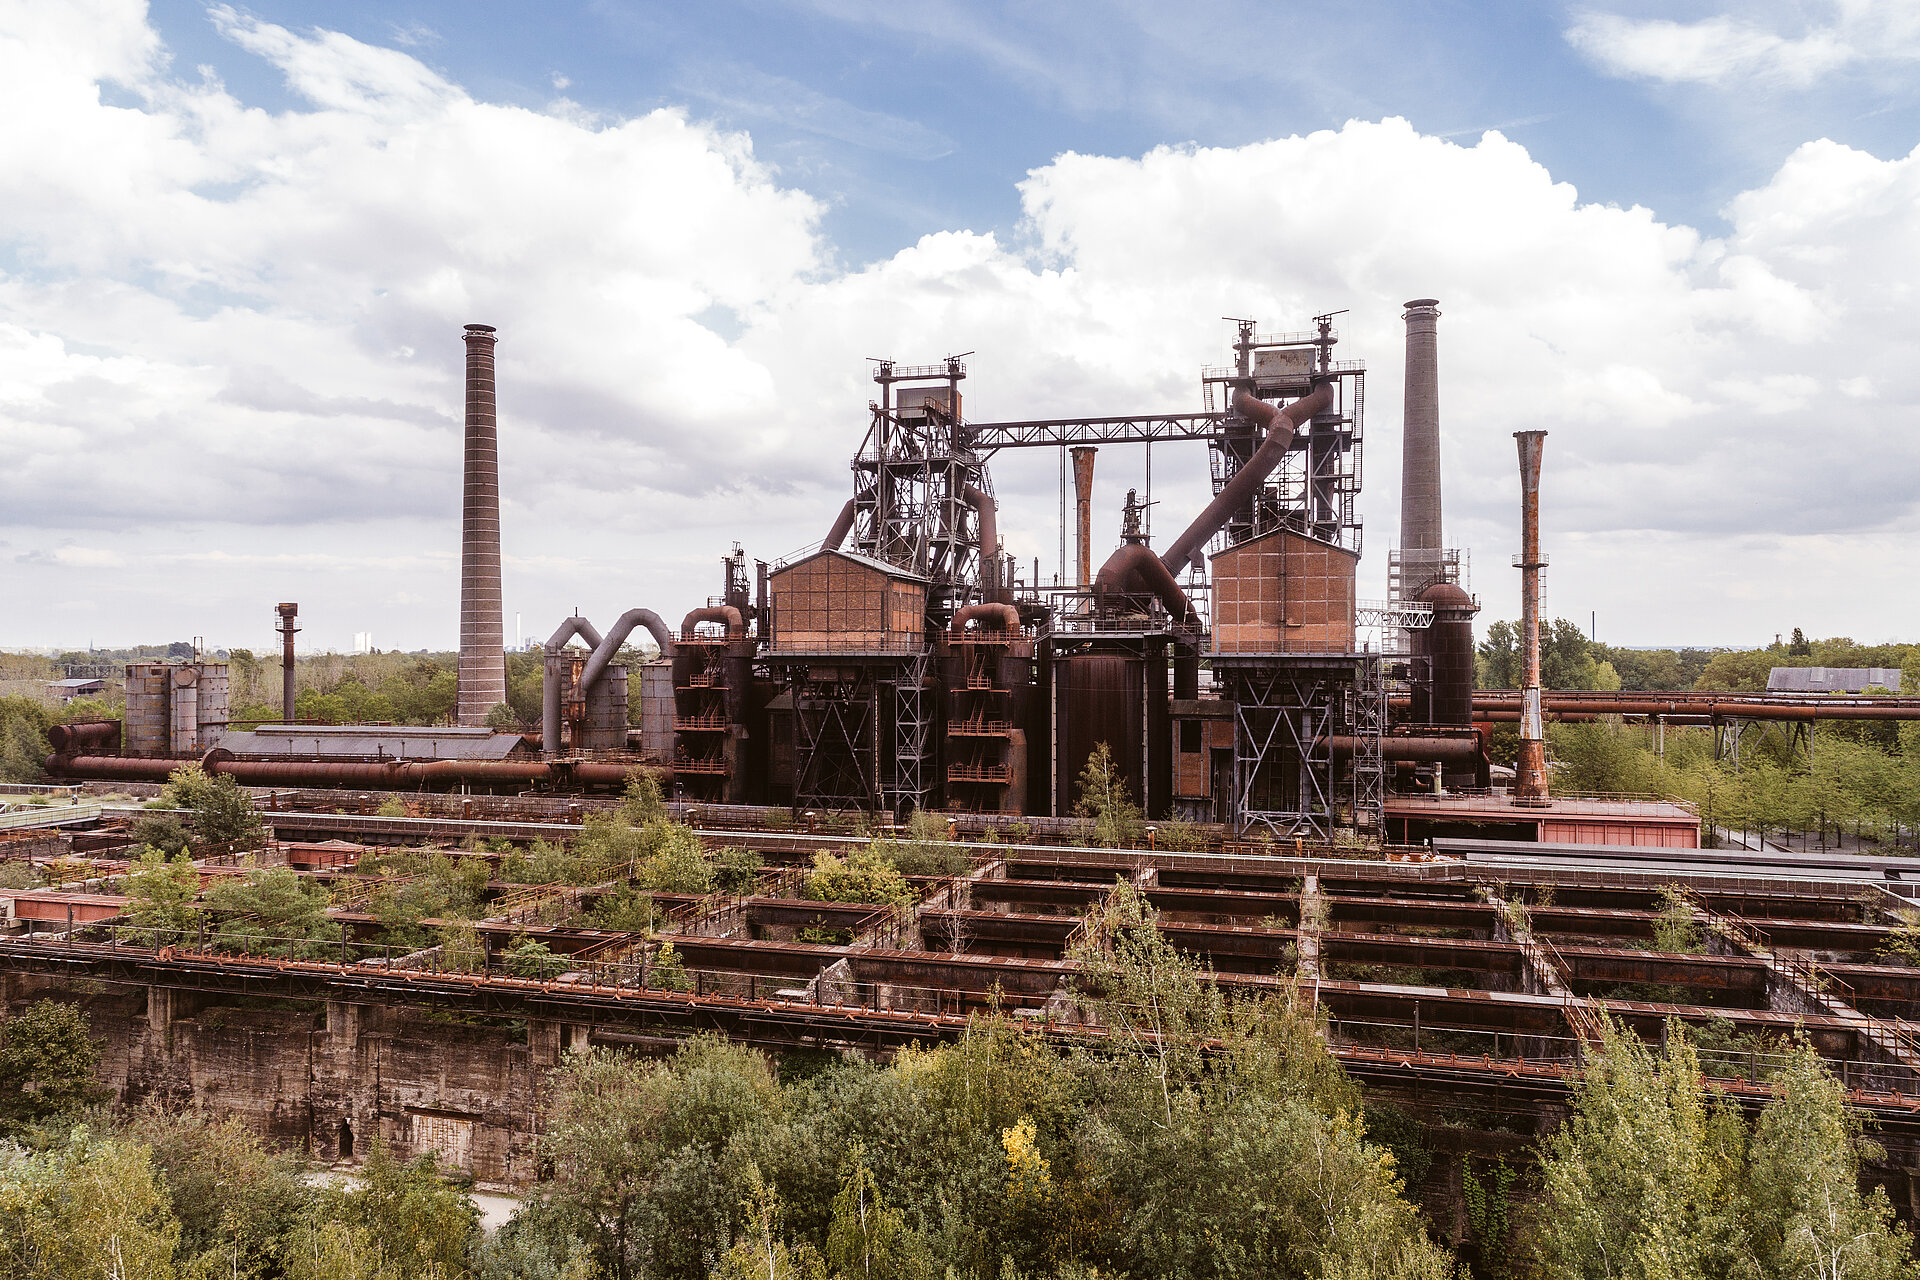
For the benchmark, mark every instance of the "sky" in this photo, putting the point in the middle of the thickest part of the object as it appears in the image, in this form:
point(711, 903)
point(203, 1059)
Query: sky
point(238, 244)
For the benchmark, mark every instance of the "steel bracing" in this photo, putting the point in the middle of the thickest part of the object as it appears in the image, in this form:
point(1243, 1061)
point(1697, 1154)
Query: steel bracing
point(912, 737)
point(1289, 710)
point(836, 734)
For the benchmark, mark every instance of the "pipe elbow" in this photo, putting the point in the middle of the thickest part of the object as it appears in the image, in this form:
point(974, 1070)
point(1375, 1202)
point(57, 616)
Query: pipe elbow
point(1002, 617)
point(725, 613)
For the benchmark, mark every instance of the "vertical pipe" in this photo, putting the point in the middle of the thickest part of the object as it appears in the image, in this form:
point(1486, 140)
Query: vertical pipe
point(1420, 449)
point(1061, 580)
point(1083, 510)
point(287, 614)
point(483, 664)
point(1530, 774)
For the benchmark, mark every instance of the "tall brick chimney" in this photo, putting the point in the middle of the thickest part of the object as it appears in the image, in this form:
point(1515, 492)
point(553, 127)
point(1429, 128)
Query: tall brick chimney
point(1420, 446)
point(483, 663)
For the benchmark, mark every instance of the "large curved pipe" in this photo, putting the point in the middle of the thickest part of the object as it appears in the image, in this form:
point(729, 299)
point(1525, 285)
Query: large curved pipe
point(67, 738)
point(736, 626)
point(1007, 616)
point(1134, 570)
point(1280, 425)
point(388, 775)
point(989, 526)
point(842, 526)
point(604, 652)
point(550, 679)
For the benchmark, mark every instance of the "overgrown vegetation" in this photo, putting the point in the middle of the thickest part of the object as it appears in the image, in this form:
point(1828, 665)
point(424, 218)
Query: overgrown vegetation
point(1117, 821)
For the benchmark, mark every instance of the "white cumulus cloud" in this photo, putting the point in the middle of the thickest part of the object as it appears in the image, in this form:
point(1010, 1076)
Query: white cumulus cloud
point(230, 367)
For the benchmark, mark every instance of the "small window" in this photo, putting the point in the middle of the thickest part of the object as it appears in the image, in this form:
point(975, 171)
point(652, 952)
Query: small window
point(1189, 737)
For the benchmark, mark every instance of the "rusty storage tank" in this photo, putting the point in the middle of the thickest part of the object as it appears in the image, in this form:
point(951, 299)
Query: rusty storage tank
point(1448, 647)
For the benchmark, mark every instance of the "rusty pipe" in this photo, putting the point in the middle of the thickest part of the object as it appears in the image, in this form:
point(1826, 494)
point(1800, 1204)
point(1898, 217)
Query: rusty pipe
point(1083, 456)
point(983, 506)
point(603, 652)
point(1008, 616)
point(71, 739)
point(550, 679)
point(112, 768)
point(1134, 570)
point(1280, 423)
point(842, 526)
point(1530, 767)
point(714, 613)
point(1460, 750)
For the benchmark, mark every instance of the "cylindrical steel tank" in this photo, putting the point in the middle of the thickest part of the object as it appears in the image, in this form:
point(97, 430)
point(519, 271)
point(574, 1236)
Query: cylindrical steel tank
point(1448, 645)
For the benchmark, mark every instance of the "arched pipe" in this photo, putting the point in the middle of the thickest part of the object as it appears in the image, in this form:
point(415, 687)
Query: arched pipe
point(550, 679)
point(604, 652)
point(736, 626)
point(1006, 616)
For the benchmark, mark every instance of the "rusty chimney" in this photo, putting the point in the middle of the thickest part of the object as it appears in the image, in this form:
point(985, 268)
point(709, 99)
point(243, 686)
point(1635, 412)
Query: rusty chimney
point(1083, 510)
point(1420, 447)
point(483, 663)
point(1530, 772)
point(287, 612)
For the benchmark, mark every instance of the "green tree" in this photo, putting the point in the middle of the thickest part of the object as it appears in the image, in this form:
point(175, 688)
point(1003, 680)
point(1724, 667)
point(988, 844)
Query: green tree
point(869, 1240)
point(1497, 660)
point(23, 739)
point(273, 912)
point(424, 1226)
point(636, 1147)
point(239, 1204)
point(223, 814)
point(91, 1206)
point(864, 875)
point(162, 831)
point(1104, 798)
point(531, 958)
point(162, 900)
point(1642, 1178)
point(1806, 1215)
point(759, 1253)
point(47, 1064)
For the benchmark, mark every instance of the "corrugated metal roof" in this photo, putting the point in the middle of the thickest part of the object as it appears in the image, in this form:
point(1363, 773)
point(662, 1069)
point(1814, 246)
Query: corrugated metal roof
point(370, 742)
point(1833, 679)
point(76, 683)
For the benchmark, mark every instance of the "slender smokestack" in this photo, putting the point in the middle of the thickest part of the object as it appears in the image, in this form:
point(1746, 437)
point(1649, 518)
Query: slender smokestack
point(1420, 447)
point(287, 614)
point(1083, 456)
point(1530, 773)
point(483, 664)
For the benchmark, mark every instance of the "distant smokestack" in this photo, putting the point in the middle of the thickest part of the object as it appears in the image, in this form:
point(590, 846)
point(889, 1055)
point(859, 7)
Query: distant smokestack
point(1530, 773)
point(287, 612)
point(1083, 456)
point(1420, 446)
point(483, 664)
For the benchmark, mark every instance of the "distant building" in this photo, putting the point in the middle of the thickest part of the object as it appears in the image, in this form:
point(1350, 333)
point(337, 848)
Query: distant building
point(75, 687)
point(1833, 679)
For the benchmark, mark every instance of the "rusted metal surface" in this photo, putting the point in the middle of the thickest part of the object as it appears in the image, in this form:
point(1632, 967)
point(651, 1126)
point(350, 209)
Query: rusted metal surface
point(1280, 425)
point(1083, 457)
point(1530, 768)
point(1005, 616)
point(85, 735)
point(483, 662)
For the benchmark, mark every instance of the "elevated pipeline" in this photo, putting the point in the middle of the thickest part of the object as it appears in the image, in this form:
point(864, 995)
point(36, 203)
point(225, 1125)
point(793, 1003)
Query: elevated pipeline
point(386, 775)
point(550, 679)
point(1005, 616)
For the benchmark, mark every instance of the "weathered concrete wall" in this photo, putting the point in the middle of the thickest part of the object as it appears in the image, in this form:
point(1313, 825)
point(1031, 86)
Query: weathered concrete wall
point(326, 1077)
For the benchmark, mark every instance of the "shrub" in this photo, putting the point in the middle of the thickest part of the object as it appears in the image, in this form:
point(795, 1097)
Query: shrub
point(531, 958)
point(865, 875)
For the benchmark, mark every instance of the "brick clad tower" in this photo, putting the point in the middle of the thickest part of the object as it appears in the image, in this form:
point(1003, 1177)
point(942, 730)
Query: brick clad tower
point(483, 663)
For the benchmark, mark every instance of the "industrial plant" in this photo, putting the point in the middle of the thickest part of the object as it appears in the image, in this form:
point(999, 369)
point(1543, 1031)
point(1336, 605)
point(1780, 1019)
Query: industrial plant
point(908, 694)
point(1236, 676)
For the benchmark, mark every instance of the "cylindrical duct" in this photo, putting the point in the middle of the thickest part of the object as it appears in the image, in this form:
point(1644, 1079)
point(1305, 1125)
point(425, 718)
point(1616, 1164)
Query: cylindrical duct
point(287, 614)
point(483, 663)
point(1530, 771)
point(1083, 511)
point(1420, 447)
